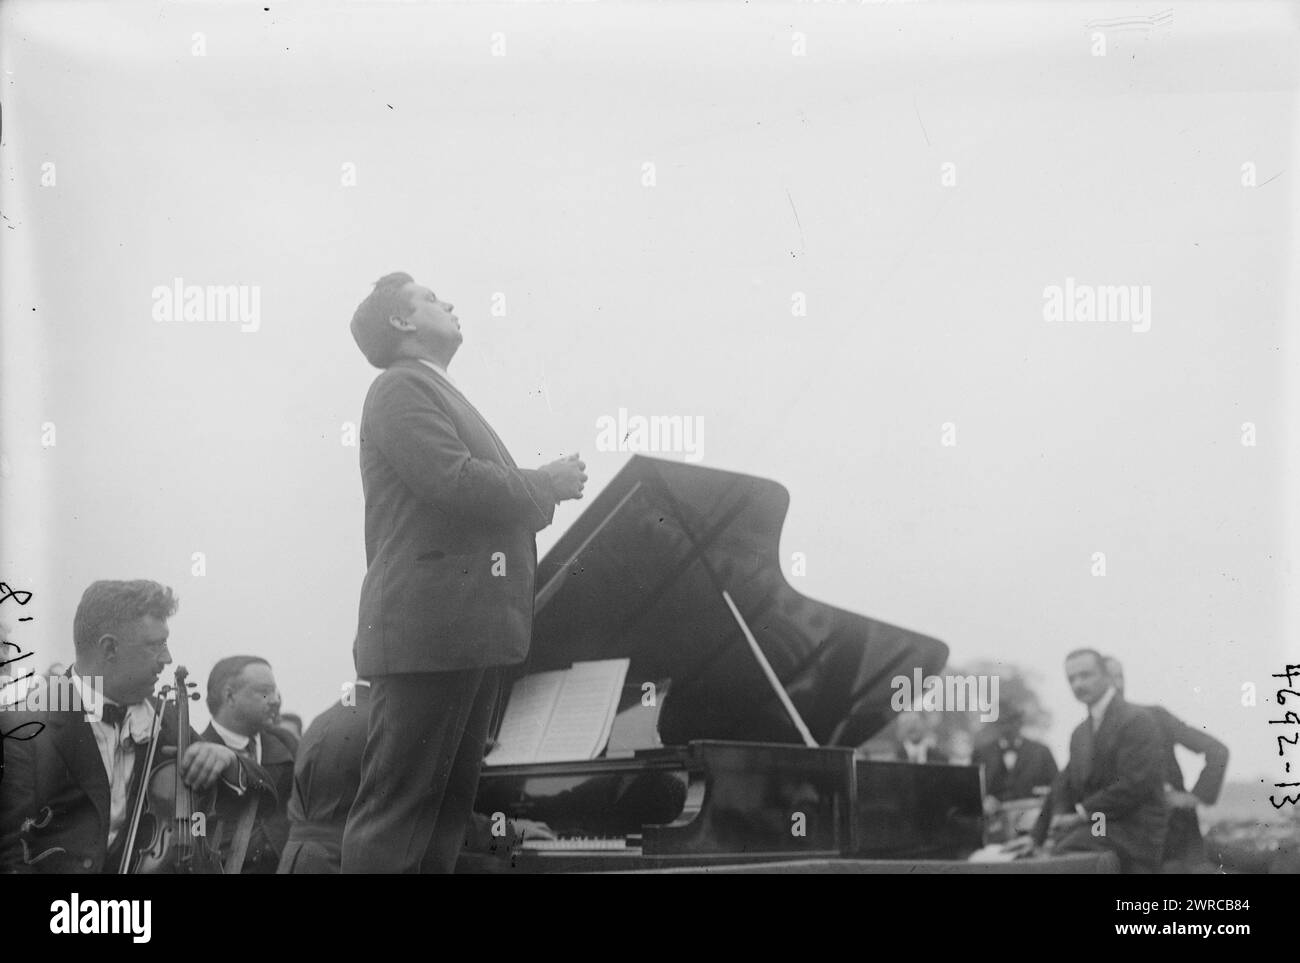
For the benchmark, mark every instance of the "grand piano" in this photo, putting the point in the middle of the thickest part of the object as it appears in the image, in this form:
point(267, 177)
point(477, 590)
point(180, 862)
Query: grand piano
point(758, 697)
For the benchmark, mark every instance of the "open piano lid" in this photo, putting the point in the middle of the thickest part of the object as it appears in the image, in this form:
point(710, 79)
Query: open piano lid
point(640, 575)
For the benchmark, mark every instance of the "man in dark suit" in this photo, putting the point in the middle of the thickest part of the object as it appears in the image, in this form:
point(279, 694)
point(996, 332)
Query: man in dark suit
point(1184, 845)
point(326, 776)
point(72, 770)
point(1110, 796)
point(245, 703)
point(448, 595)
point(1015, 767)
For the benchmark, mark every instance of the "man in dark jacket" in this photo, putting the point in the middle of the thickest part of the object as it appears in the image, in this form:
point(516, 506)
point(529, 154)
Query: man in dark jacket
point(326, 776)
point(1110, 796)
point(245, 701)
point(1184, 845)
point(447, 600)
point(1015, 767)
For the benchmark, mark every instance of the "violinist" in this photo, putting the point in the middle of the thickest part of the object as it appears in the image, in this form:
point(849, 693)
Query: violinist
point(245, 704)
point(66, 792)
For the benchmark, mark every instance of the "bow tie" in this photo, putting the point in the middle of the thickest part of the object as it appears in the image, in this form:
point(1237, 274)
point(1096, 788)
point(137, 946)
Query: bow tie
point(112, 715)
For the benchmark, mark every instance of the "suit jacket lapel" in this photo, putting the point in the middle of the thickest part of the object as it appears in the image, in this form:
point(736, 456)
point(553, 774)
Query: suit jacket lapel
point(446, 385)
point(75, 743)
point(274, 751)
point(1086, 749)
point(1106, 729)
point(1020, 760)
point(502, 452)
point(999, 768)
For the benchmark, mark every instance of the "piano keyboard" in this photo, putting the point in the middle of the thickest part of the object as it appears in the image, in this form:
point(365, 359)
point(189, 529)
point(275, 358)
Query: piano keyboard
point(580, 843)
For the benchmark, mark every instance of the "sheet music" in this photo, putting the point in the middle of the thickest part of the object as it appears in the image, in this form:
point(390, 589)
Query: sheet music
point(637, 726)
point(560, 716)
point(528, 711)
point(584, 712)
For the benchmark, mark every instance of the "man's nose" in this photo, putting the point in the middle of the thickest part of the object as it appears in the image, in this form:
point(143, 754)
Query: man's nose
point(166, 656)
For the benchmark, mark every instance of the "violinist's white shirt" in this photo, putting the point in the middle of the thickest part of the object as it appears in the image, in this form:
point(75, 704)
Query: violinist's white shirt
point(116, 748)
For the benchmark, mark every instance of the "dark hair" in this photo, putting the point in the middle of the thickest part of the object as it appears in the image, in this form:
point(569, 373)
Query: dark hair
point(1013, 716)
point(106, 607)
point(1101, 659)
point(376, 338)
point(226, 670)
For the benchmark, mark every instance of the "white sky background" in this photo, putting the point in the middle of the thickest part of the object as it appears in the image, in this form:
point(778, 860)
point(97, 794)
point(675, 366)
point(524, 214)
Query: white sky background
point(522, 174)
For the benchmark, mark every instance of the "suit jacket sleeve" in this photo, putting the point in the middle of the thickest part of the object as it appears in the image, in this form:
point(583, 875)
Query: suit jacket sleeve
point(419, 439)
point(1202, 743)
point(1050, 803)
point(17, 791)
point(1049, 770)
point(1139, 774)
point(252, 777)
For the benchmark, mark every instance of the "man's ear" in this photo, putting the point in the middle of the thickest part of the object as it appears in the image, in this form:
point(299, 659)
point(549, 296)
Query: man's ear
point(108, 647)
point(401, 324)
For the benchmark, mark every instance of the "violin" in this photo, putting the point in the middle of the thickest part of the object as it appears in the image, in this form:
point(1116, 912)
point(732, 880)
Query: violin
point(163, 835)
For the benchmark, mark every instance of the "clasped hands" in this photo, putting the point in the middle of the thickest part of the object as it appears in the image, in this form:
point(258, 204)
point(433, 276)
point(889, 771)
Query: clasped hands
point(567, 476)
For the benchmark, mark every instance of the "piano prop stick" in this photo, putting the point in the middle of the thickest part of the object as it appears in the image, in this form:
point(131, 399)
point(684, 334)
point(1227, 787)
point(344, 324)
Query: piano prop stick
point(772, 680)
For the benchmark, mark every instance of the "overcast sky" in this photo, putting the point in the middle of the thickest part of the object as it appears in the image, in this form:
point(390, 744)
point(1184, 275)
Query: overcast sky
point(501, 149)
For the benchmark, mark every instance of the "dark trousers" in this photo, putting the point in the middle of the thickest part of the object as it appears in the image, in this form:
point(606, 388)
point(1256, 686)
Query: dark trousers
point(1081, 840)
point(419, 771)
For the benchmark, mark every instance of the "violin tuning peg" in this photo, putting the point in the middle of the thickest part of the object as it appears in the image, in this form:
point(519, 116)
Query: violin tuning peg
point(194, 697)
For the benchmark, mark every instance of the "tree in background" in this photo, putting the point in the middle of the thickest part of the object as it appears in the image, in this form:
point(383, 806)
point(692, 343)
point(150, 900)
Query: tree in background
point(958, 733)
point(1017, 688)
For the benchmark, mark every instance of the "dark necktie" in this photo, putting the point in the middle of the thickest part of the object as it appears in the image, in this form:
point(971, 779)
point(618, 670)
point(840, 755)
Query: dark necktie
point(112, 715)
point(1086, 751)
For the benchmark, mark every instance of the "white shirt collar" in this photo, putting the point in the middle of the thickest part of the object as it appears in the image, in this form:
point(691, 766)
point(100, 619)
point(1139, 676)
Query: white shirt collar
point(920, 751)
point(138, 722)
point(1098, 709)
point(438, 368)
point(233, 739)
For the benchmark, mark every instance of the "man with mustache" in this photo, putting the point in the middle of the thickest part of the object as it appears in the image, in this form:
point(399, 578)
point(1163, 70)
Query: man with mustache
point(245, 705)
point(1110, 796)
point(447, 600)
point(67, 786)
